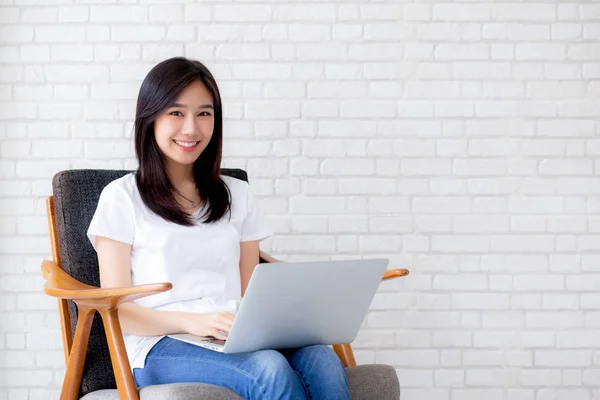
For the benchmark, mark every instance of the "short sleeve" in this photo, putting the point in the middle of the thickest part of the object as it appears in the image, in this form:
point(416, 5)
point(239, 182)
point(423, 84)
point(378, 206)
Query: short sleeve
point(114, 217)
point(254, 226)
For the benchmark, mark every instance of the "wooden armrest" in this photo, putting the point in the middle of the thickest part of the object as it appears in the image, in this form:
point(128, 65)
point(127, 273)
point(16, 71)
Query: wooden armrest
point(62, 285)
point(394, 273)
point(389, 274)
point(56, 277)
point(90, 299)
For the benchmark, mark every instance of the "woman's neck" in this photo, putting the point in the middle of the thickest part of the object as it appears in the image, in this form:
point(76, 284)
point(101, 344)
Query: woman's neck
point(180, 175)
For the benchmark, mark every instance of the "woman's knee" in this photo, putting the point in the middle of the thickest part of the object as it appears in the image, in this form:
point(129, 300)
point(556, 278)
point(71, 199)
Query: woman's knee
point(275, 378)
point(319, 350)
point(318, 360)
point(321, 371)
point(320, 354)
point(269, 362)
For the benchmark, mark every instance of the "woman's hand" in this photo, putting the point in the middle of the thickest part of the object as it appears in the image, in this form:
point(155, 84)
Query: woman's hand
point(212, 324)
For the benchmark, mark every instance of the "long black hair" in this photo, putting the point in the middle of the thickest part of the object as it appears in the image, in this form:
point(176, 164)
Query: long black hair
point(159, 90)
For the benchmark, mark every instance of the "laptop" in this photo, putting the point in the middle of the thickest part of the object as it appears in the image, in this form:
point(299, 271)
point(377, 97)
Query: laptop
point(297, 304)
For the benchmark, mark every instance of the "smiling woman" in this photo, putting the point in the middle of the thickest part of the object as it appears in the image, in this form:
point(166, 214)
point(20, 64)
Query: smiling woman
point(182, 133)
point(178, 220)
point(178, 142)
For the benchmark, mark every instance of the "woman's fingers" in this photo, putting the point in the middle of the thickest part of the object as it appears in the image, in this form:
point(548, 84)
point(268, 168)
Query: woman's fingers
point(222, 326)
point(217, 325)
point(227, 315)
point(218, 334)
point(226, 318)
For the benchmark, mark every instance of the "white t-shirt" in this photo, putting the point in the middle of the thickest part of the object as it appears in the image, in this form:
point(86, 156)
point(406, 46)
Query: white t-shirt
point(201, 261)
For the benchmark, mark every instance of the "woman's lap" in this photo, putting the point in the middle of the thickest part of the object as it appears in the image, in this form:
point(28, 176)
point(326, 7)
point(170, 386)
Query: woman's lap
point(320, 370)
point(314, 371)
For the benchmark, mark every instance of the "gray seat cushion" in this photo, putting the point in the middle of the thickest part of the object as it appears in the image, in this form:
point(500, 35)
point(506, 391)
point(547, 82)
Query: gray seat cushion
point(173, 391)
point(372, 381)
point(378, 382)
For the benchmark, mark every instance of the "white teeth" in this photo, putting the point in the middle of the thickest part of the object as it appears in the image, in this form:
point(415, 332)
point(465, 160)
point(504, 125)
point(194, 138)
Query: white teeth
point(186, 144)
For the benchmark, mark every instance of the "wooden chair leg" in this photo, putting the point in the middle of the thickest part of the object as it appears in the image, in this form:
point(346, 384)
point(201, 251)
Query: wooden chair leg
point(118, 355)
point(345, 353)
point(72, 383)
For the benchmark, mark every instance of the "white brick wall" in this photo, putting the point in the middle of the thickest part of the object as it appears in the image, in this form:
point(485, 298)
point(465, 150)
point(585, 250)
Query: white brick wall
point(459, 139)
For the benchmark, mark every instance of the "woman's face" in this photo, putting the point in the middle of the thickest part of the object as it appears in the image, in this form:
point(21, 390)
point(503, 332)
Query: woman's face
point(184, 129)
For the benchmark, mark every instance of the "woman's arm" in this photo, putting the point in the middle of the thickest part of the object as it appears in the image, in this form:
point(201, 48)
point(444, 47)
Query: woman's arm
point(249, 257)
point(114, 259)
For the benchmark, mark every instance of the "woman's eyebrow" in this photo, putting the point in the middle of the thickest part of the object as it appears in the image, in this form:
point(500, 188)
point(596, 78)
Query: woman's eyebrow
point(203, 106)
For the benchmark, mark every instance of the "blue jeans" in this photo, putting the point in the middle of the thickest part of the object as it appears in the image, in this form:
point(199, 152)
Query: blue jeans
point(313, 372)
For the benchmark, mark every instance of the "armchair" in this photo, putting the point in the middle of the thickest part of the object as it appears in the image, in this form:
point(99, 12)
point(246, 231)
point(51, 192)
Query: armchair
point(97, 367)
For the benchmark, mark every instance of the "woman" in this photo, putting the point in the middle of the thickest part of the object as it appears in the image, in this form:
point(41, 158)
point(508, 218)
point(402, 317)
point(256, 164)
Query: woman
point(177, 219)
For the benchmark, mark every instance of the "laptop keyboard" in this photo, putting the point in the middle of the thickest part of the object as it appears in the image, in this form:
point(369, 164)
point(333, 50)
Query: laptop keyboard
point(216, 341)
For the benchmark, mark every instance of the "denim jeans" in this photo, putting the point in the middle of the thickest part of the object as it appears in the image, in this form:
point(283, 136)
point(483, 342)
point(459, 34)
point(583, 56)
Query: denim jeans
point(312, 372)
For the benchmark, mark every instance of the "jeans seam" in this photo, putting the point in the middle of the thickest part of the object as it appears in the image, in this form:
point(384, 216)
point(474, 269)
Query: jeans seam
point(303, 384)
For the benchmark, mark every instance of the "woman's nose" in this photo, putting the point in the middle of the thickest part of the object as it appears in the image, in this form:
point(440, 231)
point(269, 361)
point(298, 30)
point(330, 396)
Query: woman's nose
point(190, 126)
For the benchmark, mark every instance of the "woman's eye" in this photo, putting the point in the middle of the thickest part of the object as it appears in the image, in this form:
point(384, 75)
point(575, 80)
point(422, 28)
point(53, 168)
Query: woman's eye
point(204, 114)
point(176, 113)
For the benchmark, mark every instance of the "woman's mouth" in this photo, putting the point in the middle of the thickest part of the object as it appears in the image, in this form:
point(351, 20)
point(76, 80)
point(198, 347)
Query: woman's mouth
point(186, 146)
